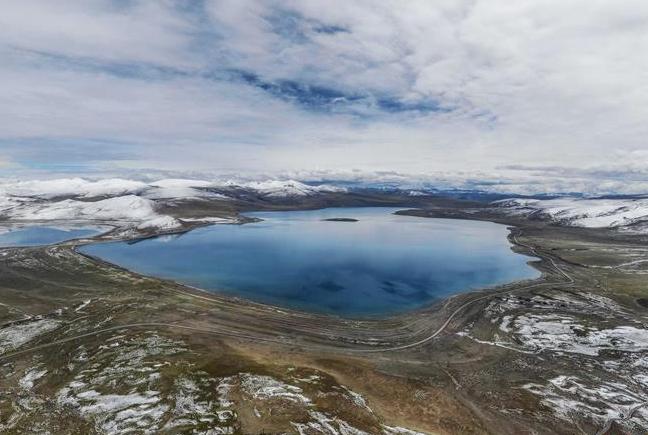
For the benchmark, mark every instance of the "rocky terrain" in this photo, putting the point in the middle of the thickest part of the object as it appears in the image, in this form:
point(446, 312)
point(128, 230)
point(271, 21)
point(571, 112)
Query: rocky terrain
point(86, 347)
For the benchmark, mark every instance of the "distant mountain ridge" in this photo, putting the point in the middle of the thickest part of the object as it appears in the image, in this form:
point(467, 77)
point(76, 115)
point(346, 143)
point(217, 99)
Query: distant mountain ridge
point(137, 204)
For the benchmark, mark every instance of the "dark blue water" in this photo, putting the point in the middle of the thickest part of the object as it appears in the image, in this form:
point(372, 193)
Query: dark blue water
point(43, 235)
point(381, 264)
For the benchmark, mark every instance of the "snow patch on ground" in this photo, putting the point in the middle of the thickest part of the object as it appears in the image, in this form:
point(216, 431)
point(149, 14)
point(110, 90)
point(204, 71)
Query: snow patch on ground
point(554, 322)
point(569, 396)
point(159, 222)
point(563, 333)
point(266, 387)
point(395, 430)
point(82, 305)
point(576, 302)
point(116, 413)
point(324, 424)
point(14, 336)
point(31, 376)
point(605, 347)
point(122, 393)
point(192, 409)
point(357, 399)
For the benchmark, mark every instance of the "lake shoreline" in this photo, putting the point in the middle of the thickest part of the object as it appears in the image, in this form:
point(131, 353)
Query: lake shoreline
point(437, 350)
point(327, 289)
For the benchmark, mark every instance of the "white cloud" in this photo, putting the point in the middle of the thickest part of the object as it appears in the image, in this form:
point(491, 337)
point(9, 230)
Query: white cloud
point(145, 31)
point(530, 83)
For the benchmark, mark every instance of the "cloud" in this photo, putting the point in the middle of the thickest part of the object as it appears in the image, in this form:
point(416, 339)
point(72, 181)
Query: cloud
point(123, 31)
point(528, 89)
point(5, 163)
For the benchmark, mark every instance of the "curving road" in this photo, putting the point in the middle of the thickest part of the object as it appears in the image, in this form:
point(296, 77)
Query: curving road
point(462, 307)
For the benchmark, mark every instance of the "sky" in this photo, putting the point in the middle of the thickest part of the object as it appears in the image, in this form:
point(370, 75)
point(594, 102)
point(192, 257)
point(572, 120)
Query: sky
point(546, 95)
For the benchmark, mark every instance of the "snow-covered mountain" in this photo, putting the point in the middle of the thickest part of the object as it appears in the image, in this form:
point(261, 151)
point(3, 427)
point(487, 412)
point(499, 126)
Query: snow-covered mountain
point(169, 188)
point(628, 214)
point(129, 203)
point(283, 189)
point(78, 187)
point(128, 210)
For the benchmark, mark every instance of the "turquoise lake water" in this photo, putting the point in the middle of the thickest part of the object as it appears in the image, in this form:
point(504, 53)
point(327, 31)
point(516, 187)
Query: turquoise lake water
point(43, 235)
point(382, 264)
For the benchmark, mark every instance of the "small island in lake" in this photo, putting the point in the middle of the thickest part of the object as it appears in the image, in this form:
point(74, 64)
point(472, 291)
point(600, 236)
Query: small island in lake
point(340, 219)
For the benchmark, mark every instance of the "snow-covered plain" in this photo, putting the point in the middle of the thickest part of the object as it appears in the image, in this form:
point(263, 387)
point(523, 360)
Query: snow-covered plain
point(607, 346)
point(129, 203)
point(627, 214)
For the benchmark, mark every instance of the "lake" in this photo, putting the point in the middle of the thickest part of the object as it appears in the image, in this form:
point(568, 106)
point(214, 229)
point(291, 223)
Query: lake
point(381, 264)
point(38, 235)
